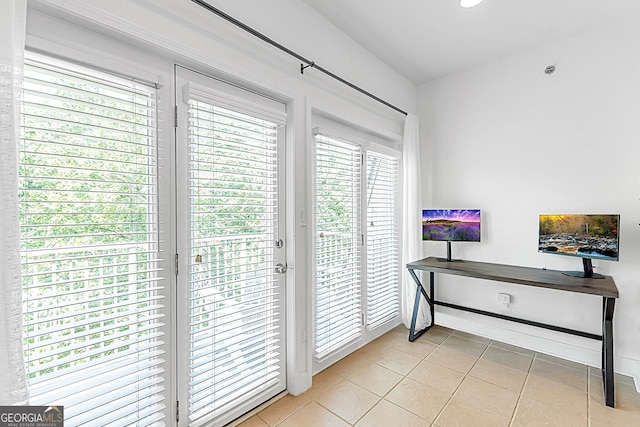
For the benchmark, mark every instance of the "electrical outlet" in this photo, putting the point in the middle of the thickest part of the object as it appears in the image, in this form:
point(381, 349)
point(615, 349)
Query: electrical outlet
point(504, 299)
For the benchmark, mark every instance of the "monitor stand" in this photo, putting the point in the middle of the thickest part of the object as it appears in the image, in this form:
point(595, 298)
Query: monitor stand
point(587, 273)
point(448, 258)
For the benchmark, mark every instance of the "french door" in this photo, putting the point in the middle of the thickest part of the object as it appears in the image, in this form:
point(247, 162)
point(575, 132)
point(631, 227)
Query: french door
point(356, 244)
point(231, 349)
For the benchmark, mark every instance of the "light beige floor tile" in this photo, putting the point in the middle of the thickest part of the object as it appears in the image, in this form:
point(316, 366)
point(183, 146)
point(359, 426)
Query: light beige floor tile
point(398, 361)
point(473, 337)
point(554, 393)
point(254, 421)
point(458, 379)
point(418, 398)
point(444, 329)
point(576, 378)
point(375, 378)
point(625, 414)
point(513, 348)
point(355, 361)
point(283, 408)
point(464, 345)
point(420, 348)
point(386, 413)
point(313, 415)
point(487, 396)
point(381, 344)
point(558, 361)
point(533, 413)
point(453, 359)
point(459, 414)
point(500, 375)
point(508, 358)
point(624, 391)
point(400, 333)
point(620, 380)
point(401, 329)
point(347, 400)
point(436, 376)
point(434, 336)
point(323, 381)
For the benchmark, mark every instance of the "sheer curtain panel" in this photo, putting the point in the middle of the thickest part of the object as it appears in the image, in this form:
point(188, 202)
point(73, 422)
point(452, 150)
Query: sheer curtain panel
point(412, 220)
point(13, 388)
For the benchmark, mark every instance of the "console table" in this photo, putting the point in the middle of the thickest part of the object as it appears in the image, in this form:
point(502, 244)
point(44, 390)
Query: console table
point(605, 288)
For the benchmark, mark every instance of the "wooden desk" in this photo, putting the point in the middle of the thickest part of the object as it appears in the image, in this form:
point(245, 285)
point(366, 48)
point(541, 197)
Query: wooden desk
point(605, 288)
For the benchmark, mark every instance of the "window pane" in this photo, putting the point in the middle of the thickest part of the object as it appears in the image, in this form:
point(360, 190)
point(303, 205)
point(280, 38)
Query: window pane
point(89, 241)
point(382, 239)
point(338, 245)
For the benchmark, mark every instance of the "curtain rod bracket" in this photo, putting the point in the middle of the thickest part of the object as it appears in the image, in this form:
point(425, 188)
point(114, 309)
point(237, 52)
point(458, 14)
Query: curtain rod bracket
point(309, 65)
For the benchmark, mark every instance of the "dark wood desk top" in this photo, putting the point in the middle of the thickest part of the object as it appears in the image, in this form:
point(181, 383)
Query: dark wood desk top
point(542, 278)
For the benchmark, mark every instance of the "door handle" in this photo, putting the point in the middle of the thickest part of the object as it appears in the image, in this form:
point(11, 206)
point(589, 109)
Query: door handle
point(281, 268)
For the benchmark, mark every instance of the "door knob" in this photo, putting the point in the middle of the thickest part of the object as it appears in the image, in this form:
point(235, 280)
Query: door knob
point(281, 268)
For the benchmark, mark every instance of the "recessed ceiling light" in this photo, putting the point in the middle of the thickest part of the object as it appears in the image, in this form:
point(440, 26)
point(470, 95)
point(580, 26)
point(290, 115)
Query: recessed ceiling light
point(470, 3)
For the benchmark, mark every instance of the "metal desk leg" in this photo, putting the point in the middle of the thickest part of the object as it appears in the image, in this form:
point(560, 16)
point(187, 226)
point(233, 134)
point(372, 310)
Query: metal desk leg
point(607, 350)
point(416, 305)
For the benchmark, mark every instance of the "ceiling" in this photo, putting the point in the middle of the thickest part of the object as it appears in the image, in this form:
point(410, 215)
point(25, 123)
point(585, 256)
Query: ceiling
point(427, 39)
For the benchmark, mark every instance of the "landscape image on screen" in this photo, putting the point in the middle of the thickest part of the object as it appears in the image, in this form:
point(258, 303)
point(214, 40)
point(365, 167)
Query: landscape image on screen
point(451, 225)
point(587, 236)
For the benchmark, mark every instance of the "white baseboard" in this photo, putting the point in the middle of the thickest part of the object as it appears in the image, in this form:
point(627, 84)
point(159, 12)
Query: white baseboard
point(568, 347)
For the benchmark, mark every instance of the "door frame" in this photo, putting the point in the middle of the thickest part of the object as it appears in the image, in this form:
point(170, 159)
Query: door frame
point(291, 351)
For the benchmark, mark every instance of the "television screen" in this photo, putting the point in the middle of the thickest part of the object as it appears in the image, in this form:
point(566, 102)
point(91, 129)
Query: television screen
point(586, 236)
point(452, 225)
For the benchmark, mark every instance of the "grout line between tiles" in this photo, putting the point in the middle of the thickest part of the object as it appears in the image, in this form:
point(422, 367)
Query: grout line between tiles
point(526, 380)
point(588, 396)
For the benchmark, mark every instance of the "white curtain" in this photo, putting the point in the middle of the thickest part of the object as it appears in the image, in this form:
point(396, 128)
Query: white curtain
point(412, 221)
point(13, 387)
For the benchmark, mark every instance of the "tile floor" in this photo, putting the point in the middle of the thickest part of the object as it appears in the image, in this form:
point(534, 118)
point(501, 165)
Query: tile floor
point(449, 378)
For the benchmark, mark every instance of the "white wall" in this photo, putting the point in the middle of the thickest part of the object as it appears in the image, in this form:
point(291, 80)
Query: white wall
point(514, 142)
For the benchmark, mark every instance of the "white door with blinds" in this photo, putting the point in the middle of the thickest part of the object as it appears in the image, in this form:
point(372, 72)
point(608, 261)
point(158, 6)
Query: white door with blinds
point(231, 281)
point(356, 243)
point(92, 288)
point(383, 238)
point(338, 245)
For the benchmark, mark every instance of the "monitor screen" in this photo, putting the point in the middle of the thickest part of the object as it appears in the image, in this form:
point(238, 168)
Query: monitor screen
point(580, 235)
point(451, 225)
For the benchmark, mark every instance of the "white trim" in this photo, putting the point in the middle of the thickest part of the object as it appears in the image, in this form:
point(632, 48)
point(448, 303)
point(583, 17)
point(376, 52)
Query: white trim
point(228, 96)
point(66, 44)
point(353, 129)
point(384, 149)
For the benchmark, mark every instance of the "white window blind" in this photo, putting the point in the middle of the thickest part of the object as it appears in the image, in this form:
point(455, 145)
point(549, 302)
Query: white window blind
point(383, 246)
point(338, 244)
point(89, 240)
point(236, 349)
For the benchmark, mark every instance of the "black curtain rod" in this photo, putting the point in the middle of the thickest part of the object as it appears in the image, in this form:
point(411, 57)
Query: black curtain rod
point(310, 64)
